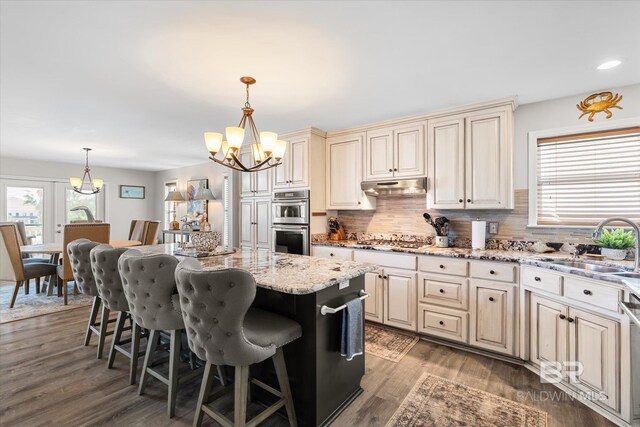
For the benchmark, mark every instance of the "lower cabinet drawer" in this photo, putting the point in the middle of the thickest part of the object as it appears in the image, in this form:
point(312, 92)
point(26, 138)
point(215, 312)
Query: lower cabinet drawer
point(444, 290)
point(329, 252)
point(500, 271)
point(443, 322)
point(592, 293)
point(539, 278)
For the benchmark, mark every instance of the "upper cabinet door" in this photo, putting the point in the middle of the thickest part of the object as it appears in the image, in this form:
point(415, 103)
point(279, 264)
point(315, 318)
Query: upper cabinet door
point(262, 182)
point(281, 173)
point(299, 163)
point(246, 223)
point(488, 161)
point(379, 155)
point(445, 153)
point(409, 152)
point(263, 223)
point(246, 179)
point(344, 172)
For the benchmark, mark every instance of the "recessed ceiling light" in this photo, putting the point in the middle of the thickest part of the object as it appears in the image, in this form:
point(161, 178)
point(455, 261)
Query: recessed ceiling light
point(609, 64)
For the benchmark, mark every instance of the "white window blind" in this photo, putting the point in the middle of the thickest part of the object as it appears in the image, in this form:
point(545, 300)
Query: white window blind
point(583, 179)
point(225, 202)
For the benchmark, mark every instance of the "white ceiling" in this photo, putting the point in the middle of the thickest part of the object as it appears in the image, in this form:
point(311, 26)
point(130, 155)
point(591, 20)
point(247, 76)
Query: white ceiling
point(140, 81)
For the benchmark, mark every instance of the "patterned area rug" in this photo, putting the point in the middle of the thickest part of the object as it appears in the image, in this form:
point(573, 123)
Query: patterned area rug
point(387, 343)
point(34, 305)
point(436, 401)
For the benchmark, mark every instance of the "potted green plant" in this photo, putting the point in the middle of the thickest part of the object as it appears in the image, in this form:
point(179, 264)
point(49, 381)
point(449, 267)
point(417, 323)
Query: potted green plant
point(615, 243)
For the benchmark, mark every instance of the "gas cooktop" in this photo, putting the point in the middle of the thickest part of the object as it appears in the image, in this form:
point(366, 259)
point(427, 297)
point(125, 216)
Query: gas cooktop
point(390, 244)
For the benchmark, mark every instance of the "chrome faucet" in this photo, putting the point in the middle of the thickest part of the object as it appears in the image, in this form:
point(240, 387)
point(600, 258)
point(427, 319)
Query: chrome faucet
point(598, 231)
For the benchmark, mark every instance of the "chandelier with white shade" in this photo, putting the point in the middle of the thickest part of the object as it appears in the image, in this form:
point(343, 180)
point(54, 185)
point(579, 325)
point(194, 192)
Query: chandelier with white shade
point(86, 185)
point(267, 151)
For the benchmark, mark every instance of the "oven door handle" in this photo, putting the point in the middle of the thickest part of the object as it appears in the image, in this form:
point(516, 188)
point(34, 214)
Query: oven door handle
point(628, 311)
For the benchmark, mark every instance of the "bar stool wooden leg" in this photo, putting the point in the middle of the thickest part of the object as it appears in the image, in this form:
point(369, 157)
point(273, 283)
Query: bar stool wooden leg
point(285, 388)
point(152, 343)
point(27, 285)
point(117, 333)
point(205, 390)
point(95, 308)
point(135, 352)
point(240, 396)
point(104, 322)
point(174, 365)
point(15, 294)
point(37, 285)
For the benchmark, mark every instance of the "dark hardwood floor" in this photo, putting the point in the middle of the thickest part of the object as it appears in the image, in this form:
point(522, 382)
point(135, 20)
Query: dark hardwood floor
point(48, 378)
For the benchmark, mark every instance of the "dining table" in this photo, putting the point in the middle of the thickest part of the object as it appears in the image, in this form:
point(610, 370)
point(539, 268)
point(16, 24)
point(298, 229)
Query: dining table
point(55, 249)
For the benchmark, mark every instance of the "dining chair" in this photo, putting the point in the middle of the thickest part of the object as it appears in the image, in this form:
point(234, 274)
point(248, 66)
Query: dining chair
point(12, 267)
point(96, 232)
point(151, 233)
point(104, 264)
point(137, 230)
point(150, 288)
point(27, 258)
point(79, 252)
point(222, 329)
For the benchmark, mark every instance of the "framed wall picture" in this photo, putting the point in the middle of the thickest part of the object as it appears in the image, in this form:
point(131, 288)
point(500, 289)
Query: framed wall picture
point(196, 208)
point(132, 192)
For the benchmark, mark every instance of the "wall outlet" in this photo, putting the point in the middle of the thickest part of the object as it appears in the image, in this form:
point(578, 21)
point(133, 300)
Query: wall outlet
point(493, 228)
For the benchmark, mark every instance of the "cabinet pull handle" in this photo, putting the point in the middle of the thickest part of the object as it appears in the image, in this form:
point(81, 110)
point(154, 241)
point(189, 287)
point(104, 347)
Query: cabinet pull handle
point(468, 200)
point(359, 203)
point(379, 276)
point(442, 323)
point(570, 319)
point(390, 170)
point(460, 201)
point(330, 254)
point(537, 279)
point(384, 277)
point(441, 266)
point(442, 291)
point(492, 272)
point(587, 292)
point(562, 317)
point(395, 169)
point(491, 299)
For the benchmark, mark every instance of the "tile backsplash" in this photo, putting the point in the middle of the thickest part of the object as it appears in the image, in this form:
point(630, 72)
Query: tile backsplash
point(403, 215)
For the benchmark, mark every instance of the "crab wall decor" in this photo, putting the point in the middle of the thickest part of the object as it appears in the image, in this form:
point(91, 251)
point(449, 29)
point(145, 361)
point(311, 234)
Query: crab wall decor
point(597, 103)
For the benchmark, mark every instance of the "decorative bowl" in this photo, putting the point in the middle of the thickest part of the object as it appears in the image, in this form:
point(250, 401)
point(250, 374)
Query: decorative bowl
point(205, 240)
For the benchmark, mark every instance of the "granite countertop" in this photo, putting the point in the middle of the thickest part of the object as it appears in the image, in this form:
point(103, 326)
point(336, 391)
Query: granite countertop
point(543, 260)
point(287, 273)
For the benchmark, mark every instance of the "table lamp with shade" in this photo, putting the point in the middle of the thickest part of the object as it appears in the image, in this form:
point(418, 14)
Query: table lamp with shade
point(204, 194)
point(175, 197)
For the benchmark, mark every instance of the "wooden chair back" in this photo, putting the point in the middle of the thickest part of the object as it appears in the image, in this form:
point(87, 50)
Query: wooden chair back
point(137, 229)
point(96, 232)
point(151, 232)
point(11, 268)
point(20, 229)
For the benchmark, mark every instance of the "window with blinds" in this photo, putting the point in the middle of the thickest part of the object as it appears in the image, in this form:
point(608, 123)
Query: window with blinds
point(583, 179)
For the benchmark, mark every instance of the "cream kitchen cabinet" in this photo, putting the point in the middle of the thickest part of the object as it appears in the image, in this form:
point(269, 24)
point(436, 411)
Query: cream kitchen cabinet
point(400, 298)
point(374, 305)
point(492, 316)
point(470, 160)
point(344, 174)
point(255, 183)
point(255, 223)
point(395, 153)
point(294, 171)
point(549, 334)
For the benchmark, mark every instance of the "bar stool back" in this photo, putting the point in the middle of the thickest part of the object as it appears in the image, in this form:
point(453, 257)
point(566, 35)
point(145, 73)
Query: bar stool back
point(150, 288)
point(104, 264)
point(222, 329)
point(78, 252)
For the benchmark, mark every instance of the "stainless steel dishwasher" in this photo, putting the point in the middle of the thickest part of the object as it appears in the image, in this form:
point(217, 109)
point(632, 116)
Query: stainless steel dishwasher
point(632, 309)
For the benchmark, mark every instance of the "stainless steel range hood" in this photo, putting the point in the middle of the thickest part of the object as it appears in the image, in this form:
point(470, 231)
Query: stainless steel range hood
point(395, 187)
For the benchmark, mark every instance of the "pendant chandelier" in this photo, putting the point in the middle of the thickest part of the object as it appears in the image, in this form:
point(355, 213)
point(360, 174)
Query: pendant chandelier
point(267, 151)
point(93, 185)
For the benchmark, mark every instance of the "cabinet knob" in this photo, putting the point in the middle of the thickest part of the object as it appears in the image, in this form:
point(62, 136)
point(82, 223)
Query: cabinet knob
point(359, 203)
point(491, 299)
point(442, 323)
point(537, 279)
point(562, 317)
point(468, 200)
point(492, 272)
point(390, 170)
point(395, 169)
point(379, 276)
point(587, 292)
point(384, 277)
point(330, 254)
point(460, 201)
point(570, 319)
point(442, 291)
point(441, 266)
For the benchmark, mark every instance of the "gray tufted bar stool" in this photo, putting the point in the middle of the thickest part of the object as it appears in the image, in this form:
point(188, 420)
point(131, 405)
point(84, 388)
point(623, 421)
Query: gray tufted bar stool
point(222, 329)
point(150, 288)
point(104, 264)
point(79, 259)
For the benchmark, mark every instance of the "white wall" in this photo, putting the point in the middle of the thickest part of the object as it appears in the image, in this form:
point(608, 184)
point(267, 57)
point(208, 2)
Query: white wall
point(560, 113)
point(120, 212)
point(215, 174)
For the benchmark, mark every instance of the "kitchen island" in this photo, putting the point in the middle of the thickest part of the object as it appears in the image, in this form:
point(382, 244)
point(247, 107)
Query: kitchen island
point(323, 383)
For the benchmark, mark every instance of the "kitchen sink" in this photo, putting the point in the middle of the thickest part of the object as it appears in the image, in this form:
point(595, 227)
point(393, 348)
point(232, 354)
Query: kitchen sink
point(589, 267)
